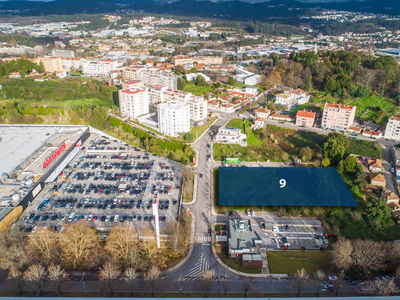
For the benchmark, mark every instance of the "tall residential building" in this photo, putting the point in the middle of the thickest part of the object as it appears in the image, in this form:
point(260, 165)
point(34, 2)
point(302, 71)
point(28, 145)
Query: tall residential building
point(63, 53)
point(51, 64)
point(393, 128)
point(205, 60)
point(173, 118)
point(198, 108)
point(338, 116)
point(72, 63)
point(133, 102)
point(99, 68)
point(151, 76)
point(156, 94)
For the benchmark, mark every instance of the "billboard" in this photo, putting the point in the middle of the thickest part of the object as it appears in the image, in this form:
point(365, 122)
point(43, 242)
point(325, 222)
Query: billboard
point(232, 161)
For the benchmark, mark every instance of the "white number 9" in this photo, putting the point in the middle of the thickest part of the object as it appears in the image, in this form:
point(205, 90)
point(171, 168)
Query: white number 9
point(282, 182)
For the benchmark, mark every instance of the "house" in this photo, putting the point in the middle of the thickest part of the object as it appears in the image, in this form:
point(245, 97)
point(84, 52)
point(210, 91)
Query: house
point(14, 75)
point(229, 135)
point(251, 90)
point(61, 74)
point(284, 99)
point(300, 96)
point(354, 130)
point(378, 179)
point(377, 135)
point(284, 118)
point(258, 123)
point(225, 99)
point(213, 105)
point(305, 118)
point(374, 165)
point(251, 261)
point(367, 133)
point(292, 98)
point(262, 113)
point(390, 197)
point(149, 63)
point(227, 107)
point(242, 239)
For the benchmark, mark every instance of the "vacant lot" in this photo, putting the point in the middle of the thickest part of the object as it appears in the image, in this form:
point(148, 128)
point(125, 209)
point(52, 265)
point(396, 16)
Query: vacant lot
point(379, 102)
point(190, 87)
point(288, 262)
point(365, 148)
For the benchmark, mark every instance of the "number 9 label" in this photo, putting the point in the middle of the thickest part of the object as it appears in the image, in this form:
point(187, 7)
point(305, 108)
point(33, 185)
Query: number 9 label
point(282, 182)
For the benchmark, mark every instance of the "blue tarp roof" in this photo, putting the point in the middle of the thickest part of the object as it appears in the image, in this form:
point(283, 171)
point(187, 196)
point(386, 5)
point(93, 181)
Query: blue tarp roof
point(283, 187)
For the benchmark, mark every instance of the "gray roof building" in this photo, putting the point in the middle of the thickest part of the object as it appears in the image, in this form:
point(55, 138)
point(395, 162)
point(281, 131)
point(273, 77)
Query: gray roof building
point(242, 239)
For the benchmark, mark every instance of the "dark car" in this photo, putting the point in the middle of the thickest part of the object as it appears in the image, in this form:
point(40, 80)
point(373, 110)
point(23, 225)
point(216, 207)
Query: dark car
point(351, 282)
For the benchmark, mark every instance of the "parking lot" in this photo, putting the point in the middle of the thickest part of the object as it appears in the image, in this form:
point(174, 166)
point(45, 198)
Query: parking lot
point(106, 184)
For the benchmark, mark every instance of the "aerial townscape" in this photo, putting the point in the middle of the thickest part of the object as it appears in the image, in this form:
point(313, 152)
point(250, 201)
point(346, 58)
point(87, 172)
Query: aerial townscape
point(187, 148)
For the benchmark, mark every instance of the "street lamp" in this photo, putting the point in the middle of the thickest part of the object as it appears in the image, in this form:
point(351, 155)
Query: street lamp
point(83, 281)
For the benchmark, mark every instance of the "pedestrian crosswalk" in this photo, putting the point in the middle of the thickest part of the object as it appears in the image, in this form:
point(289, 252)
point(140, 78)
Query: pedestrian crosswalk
point(203, 238)
point(197, 270)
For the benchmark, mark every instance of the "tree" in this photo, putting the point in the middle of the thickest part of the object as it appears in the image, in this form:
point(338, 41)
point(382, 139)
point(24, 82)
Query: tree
point(226, 285)
point(340, 167)
point(206, 281)
point(367, 256)
point(151, 277)
point(339, 283)
point(350, 164)
point(305, 153)
point(131, 279)
point(56, 276)
point(15, 279)
point(359, 168)
point(122, 244)
point(12, 250)
point(44, 244)
point(177, 241)
point(200, 81)
point(181, 83)
point(246, 285)
point(77, 243)
point(382, 287)
point(300, 280)
point(319, 279)
point(334, 147)
point(342, 254)
point(326, 162)
point(108, 275)
point(35, 276)
point(231, 81)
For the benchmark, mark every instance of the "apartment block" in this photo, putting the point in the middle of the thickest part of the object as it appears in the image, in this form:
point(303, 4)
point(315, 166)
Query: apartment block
point(133, 102)
point(338, 116)
point(205, 60)
point(392, 131)
point(151, 76)
point(198, 108)
point(156, 94)
point(51, 64)
point(72, 63)
point(173, 118)
point(99, 68)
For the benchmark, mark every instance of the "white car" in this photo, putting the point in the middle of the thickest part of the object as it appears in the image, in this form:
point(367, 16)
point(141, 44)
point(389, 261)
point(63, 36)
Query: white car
point(392, 170)
point(333, 277)
point(328, 286)
point(253, 213)
point(248, 213)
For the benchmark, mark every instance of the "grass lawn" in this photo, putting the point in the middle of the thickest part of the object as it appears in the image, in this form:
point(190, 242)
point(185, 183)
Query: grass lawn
point(374, 101)
point(223, 255)
point(190, 87)
point(236, 123)
point(280, 263)
point(365, 148)
point(252, 138)
point(60, 104)
point(314, 107)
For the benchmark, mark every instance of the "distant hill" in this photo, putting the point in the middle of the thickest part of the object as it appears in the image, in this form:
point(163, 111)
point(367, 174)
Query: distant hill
point(285, 11)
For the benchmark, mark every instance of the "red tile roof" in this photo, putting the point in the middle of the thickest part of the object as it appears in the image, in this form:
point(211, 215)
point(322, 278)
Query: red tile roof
point(305, 114)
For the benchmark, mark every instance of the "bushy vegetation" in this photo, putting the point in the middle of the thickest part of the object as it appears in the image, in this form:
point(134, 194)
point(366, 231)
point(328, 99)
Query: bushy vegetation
point(23, 66)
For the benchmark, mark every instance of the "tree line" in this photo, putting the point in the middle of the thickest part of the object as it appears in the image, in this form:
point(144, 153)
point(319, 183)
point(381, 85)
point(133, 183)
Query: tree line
point(79, 247)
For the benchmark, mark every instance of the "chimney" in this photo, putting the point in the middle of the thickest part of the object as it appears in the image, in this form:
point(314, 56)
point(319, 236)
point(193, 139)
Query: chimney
point(109, 79)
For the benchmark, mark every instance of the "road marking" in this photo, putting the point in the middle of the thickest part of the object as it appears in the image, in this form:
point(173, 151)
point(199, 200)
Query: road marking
point(206, 244)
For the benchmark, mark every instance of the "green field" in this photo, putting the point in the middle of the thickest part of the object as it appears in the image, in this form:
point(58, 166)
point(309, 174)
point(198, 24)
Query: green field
point(314, 107)
point(365, 148)
point(252, 138)
point(190, 87)
point(362, 104)
point(279, 262)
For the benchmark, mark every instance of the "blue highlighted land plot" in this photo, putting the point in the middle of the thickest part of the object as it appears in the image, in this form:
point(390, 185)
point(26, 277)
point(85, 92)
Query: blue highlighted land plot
point(283, 187)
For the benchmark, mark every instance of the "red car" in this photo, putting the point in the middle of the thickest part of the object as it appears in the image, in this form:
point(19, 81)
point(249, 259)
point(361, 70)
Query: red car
point(94, 218)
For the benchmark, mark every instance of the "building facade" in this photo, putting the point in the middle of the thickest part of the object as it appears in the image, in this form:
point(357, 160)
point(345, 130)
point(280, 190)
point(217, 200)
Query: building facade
point(151, 76)
point(338, 116)
point(133, 103)
point(99, 68)
point(305, 118)
point(173, 118)
point(392, 131)
point(51, 64)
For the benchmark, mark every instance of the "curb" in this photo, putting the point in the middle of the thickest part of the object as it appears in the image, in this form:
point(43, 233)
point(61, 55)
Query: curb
point(194, 193)
point(241, 273)
point(205, 131)
point(191, 247)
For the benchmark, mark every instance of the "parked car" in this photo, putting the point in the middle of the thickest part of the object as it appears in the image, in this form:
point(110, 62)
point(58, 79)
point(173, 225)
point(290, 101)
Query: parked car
point(333, 277)
point(328, 286)
point(351, 282)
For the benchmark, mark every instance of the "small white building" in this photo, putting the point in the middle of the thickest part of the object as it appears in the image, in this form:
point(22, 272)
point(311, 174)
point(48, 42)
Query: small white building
point(173, 118)
point(258, 123)
point(193, 77)
point(229, 135)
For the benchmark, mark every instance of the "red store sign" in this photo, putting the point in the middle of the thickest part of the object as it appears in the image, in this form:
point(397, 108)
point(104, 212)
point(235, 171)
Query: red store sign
point(53, 156)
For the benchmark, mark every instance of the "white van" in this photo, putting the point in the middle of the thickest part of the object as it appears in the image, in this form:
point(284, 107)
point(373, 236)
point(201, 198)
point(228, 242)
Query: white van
point(116, 218)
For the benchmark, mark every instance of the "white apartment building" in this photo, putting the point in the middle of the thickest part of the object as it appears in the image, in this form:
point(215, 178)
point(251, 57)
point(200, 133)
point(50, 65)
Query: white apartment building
point(393, 128)
point(151, 76)
point(99, 68)
point(338, 116)
point(198, 108)
point(133, 102)
point(156, 94)
point(173, 118)
point(71, 62)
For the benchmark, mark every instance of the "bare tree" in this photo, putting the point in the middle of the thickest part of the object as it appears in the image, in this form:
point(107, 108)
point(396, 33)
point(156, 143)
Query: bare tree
point(300, 279)
point(383, 287)
point(108, 275)
point(12, 250)
point(341, 254)
point(131, 279)
point(56, 276)
point(319, 279)
point(177, 241)
point(206, 281)
point(122, 245)
point(77, 243)
point(246, 285)
point(35, 276)
point(339, 283)
point(367, 256)
point(15, 279)
point(226, 285)
point(151, 277)
point(44, 244)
